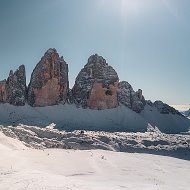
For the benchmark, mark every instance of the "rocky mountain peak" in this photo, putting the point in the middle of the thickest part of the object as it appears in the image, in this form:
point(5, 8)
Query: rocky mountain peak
point(164, 108)
point(15, 88)
point(51, 51)
point(128, 97)
point(98, 69)
point(95, 59)
point(49, 80)
point(96, 85)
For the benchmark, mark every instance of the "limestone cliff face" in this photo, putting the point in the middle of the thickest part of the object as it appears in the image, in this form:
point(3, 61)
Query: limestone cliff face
point(103, 97)
point(49, 81)
point(13, 90)
point(130, 98)
point(96, 85)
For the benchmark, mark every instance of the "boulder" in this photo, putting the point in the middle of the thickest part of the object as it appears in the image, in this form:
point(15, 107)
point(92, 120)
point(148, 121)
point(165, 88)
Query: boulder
point(49, 81)
point(96, 85)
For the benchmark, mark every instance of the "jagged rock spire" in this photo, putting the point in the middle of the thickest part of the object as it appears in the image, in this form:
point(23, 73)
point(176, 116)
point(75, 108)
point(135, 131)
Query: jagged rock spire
point(49, 80)
point(96, 85)
point(130, 98)
point(13, 90)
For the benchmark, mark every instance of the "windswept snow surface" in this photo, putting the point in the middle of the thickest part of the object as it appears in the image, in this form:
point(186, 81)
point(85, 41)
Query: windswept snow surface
point(58, 169)
point(69, 117)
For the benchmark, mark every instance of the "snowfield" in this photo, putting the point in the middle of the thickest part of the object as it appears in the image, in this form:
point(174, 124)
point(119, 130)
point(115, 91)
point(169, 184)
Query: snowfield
point(23, 167)
point(69, 117)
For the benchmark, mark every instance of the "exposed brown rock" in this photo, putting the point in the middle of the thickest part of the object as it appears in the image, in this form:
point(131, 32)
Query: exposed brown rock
point(103, 97)
point(96, 85)
point(49, 81)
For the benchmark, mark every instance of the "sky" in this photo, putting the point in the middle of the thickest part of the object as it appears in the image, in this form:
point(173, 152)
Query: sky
point(146, 41)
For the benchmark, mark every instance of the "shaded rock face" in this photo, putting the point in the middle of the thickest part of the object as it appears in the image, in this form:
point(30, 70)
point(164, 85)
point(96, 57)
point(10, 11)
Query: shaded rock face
point(165, 109)
point(3, 91)
point(49, 81)
point(15, 88)
point(96, 85)
point(130, 98)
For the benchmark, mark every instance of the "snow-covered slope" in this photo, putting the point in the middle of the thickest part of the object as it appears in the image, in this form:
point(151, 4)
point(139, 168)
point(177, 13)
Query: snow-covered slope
point(168, 123)
point(55, 169)
point(70, 117)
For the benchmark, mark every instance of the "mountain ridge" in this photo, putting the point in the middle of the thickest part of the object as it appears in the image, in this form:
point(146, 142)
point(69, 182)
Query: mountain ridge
point(97, 87)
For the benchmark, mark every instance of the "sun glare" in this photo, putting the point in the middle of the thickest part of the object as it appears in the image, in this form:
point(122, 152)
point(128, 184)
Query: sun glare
point(131, 7)
point(125, 7)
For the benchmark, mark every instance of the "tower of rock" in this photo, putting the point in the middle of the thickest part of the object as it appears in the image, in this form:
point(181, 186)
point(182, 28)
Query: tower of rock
point(96, 85)
point(128, 97)
point(13, 90)
point(49, 81)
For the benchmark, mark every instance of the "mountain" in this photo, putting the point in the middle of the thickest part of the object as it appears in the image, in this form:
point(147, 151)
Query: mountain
point(49, 81)
point(13, 90)
point(186, 113)
point(97, 101)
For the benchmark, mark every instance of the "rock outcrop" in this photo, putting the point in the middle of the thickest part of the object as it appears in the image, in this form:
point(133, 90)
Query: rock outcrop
point(96, 85)
point(13, 90)
point(3, 96)
point(130, 98)
point(49, 81)
point(165, 109)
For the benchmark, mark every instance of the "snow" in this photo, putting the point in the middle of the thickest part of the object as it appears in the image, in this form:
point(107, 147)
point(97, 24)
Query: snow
point(153, 141)
point(167, 123)
point(55, 169)
point(69, 117)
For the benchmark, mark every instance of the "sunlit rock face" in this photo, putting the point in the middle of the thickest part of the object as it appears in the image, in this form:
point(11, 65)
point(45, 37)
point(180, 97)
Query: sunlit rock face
point(96, 85)
point(16, 87)
point(49, 81)
point(130, 98)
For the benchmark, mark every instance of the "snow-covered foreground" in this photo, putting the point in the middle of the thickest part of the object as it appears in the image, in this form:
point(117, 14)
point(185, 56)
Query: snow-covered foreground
point(52, 169)
point(80, 164)
point(153, 141)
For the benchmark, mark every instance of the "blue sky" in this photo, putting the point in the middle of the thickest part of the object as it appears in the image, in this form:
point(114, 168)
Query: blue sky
point(146, 41)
